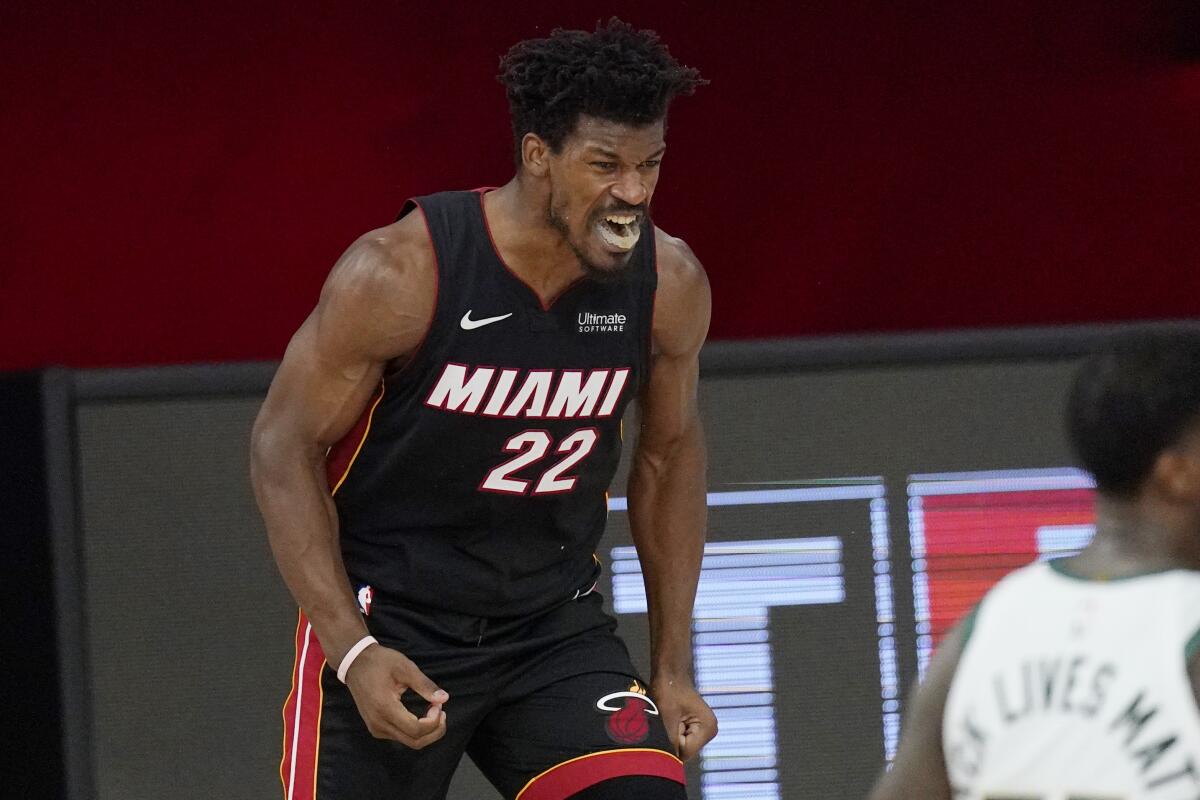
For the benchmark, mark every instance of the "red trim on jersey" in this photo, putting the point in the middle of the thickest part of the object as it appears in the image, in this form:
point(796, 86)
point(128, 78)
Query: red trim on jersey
point(302, 717)
point(546, 306)
point(342, 455)
point(571, 777)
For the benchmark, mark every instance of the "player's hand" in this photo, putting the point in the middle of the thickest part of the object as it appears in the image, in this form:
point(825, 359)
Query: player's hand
point(691, 724)
point(377, 679)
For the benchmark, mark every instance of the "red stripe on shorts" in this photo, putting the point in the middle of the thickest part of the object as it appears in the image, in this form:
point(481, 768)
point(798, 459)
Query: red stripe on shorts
point(570, 777)
point(302, 717)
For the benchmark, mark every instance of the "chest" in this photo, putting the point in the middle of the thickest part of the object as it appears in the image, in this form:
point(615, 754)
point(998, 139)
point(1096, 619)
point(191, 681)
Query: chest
point(489, 317)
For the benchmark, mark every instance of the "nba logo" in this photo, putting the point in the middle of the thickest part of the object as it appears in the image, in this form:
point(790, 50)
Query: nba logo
point(364, 600)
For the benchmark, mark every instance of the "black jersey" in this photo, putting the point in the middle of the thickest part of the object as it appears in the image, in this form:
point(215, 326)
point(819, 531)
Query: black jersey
point(476, 480)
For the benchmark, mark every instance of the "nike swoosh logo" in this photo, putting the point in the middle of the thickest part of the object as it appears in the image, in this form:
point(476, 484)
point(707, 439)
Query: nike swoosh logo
point(469, 324)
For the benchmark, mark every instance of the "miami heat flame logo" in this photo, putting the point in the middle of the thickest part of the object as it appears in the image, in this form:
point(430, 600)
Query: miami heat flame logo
point(628, 722)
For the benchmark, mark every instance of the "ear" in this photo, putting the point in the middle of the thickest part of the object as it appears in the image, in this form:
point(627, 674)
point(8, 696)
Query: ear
point(535, 155)
point(1189, 452)
point(1170, 475)
point(1177, 472)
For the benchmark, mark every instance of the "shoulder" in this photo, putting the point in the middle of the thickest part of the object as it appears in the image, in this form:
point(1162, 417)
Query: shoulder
point(386, 259)
point(683, 305)
point(679, 270)
point(1008, 600)
point(383, 289)
point(1026, 575)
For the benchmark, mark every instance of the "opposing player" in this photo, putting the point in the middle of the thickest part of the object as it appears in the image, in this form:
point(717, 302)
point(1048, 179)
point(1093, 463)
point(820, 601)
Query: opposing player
point(433, 455)
point(1079, 679)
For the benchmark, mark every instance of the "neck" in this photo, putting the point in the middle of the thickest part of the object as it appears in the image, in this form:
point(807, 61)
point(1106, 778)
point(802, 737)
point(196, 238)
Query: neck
point(1138, 536)
point(535, 251)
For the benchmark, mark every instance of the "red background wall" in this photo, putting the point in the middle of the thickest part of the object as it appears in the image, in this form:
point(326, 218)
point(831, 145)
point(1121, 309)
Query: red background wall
point(179, 178)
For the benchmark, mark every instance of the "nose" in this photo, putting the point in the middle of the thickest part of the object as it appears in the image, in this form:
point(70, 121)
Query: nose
point(630, 188)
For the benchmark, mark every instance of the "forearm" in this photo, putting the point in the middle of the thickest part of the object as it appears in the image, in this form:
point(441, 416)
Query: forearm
point(668, 514)
point(301, 523)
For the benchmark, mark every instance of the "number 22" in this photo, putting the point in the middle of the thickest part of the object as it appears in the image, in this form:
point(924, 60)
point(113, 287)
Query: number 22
point(532, 446)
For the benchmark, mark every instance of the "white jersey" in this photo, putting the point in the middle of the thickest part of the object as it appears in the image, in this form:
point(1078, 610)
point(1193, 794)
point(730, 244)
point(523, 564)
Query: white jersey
point(1071, 689)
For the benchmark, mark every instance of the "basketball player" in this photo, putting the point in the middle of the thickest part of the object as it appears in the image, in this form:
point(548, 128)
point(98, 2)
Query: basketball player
point(1079, 679)
point(433, 455)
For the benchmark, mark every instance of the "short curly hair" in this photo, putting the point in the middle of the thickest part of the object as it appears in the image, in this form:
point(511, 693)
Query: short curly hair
point(1133, 398)
point(616, 73)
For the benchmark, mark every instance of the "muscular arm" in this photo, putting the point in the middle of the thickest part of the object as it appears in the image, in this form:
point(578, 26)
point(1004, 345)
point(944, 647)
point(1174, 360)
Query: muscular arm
point(919, 772)
point(667, 491)
point(374, 308)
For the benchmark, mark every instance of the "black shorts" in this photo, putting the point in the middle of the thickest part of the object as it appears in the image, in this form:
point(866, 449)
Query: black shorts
point(545, 707)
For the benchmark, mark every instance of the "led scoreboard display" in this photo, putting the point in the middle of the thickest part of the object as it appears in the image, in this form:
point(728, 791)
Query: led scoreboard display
point(741, 582)
point(967, 530)
point(862, 495)
point(855, 514)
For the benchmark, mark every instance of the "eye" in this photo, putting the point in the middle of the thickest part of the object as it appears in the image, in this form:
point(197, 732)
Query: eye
point(605, 166)
point(652, 163)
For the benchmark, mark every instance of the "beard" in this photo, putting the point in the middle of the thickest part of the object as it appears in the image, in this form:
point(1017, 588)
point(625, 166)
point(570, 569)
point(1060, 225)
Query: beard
point(594, 271)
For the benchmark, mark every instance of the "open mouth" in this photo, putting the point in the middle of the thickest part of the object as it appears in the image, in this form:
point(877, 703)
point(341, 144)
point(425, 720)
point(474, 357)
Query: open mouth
point(619, 231)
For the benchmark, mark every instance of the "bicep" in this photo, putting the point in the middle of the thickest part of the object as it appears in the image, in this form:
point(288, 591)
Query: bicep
point(669, 406)
point(319, 390)
point(375, 308)
point(669, 402)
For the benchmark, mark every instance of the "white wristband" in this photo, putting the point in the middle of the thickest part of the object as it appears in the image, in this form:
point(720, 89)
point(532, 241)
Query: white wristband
point(353, 653)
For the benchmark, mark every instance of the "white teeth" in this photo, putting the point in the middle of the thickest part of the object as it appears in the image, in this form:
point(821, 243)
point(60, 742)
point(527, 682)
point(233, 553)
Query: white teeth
point(615, 239)
point(621, 219)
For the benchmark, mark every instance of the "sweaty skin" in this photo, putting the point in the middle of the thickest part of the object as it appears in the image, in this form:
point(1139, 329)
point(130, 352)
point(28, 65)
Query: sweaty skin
point(373, 313)
point(374, 309)
point(667, 503)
